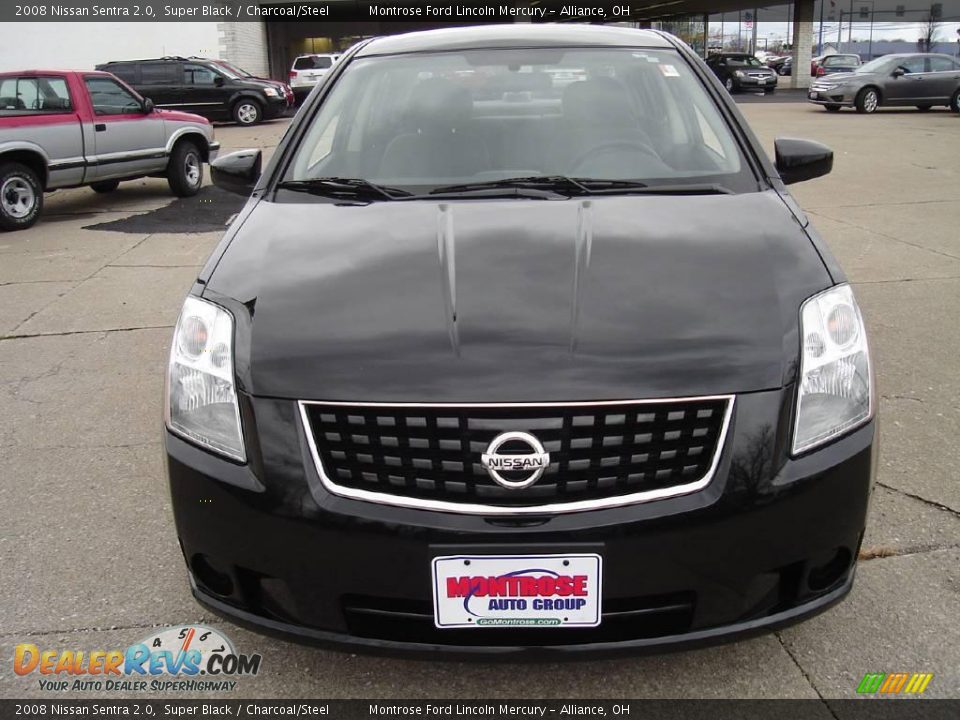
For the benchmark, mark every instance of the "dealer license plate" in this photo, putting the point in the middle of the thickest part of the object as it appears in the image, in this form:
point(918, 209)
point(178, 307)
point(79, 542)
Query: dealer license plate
point(489, 591)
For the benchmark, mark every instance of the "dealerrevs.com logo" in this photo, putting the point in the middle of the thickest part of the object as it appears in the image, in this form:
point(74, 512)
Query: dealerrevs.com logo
point(186, 658)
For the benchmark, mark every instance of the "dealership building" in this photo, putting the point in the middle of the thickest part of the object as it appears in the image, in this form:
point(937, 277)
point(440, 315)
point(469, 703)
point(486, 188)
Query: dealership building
point(270, 45)
point(267, 45)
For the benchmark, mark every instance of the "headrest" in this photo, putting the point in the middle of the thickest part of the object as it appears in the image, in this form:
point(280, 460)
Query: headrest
point(439, 105)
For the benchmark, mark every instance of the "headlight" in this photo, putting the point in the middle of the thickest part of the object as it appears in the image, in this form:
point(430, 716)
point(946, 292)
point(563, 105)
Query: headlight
point(738, 73)
point(836, 389)
point(201, 399)
point(271, 92)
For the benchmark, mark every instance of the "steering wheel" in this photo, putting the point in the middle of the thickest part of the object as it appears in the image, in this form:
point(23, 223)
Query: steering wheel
point(614, 146)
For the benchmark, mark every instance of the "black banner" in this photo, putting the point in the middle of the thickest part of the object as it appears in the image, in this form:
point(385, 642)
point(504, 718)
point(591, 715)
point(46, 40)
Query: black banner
point(403, 11)
point(861, 709)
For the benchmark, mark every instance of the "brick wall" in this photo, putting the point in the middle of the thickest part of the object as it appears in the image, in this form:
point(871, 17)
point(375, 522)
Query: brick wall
point(245, 44)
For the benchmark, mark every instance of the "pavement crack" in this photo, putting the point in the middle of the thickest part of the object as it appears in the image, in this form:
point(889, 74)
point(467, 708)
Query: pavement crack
point(23, 336)
point(931, 503)
point(918, 246)
point(806, 675)
point(905, 280)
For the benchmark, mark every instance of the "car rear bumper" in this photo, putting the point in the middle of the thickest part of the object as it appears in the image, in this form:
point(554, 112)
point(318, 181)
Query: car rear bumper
point(770, 541)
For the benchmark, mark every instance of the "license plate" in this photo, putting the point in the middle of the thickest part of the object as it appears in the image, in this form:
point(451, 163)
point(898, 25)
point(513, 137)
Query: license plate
point(814, 96)
point(490, 591)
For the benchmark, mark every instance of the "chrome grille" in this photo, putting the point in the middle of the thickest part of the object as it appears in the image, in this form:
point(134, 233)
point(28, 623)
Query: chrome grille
point(601, 454)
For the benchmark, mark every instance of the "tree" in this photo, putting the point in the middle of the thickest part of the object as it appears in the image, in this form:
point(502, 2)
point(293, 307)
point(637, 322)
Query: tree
point(930, 28)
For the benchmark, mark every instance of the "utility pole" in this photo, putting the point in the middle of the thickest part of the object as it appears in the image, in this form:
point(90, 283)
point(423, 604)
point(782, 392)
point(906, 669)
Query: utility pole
point(753, 41)
point(820, 41)
point(850, 31)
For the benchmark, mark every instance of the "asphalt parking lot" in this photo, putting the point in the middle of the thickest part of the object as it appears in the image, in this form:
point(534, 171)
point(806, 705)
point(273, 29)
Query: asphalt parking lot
point(88, 547)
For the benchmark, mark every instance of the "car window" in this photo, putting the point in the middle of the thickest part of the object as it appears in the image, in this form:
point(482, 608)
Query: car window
point(943, 64)
point(110, 98)
point(313, 62)
point(126, 72)
point(430, 119)
point(199, 75)
point(33, 96)
point(912, 64)
point(158, 74)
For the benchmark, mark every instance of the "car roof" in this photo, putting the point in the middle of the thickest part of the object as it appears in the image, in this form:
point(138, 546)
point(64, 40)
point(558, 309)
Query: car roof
point(513, 35)
point(59, 71)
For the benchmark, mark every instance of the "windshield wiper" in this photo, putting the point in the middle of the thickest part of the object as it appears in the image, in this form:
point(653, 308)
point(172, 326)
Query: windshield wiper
point(624, 187)
point(353, 188)
point(586, 186)
point(556, 183)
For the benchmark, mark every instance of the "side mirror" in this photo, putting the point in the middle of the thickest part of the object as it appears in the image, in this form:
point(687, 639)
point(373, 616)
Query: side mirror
point(237, 172)
point(219, 81)
point(799, 160)
point(898, 72)
point(147, 106)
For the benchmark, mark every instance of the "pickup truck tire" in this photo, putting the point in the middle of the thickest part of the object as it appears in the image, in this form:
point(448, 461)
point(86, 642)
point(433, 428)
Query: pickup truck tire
point(185, 169)
point(106, 186)
point(21, 196)
point(247, 111)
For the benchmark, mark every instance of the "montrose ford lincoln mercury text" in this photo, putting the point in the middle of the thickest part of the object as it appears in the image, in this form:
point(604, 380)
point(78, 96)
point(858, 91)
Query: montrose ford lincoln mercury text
point(495, 363)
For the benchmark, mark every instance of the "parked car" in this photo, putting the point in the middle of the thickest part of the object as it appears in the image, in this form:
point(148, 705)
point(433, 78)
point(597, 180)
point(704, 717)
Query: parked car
point(201, 86)
point(526, 357)
point(785, 68)
point(742, 71)
point(919, 79)
point(775, 62)
point(240, 72)
point(831, 64)
point(62, 129)
point(308, 70)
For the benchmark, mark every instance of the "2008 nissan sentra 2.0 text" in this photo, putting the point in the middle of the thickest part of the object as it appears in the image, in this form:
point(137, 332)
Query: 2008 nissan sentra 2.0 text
point(520, 345)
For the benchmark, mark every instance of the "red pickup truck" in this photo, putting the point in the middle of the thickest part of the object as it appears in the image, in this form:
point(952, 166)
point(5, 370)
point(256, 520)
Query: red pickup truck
point(62, 129)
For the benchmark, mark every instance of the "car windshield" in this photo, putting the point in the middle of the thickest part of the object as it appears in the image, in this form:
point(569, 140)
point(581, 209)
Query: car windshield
point(744, 60)
point(239, 72)
point(844, 60)
point(879, 64)
point(422, 121)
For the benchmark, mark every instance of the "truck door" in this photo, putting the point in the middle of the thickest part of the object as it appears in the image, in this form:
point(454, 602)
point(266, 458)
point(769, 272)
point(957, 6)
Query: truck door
point(127, 141)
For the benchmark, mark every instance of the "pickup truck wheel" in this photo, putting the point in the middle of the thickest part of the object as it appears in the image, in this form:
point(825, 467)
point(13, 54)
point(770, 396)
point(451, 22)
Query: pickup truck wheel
point(106, 186)
point(21, 196)
point(247, 112)
point(185, 170)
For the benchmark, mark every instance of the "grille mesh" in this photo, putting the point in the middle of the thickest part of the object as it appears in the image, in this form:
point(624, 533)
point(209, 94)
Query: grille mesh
point(596, 451)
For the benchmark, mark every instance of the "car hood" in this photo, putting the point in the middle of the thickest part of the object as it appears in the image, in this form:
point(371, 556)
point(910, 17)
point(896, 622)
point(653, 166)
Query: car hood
point(181, 116)
point(846, 76)
point(518, 300)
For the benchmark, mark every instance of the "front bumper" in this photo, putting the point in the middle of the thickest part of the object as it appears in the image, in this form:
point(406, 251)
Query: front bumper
point(830, 96)
point(274, 107)
point(770, 541)
point(751, 83)
point(213, 149)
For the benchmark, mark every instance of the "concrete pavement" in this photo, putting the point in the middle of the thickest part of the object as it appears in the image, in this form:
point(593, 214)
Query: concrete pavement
point(89, 553)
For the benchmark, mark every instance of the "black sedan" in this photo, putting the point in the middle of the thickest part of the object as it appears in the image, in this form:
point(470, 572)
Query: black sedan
point(564, 371)
point(742, 71)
